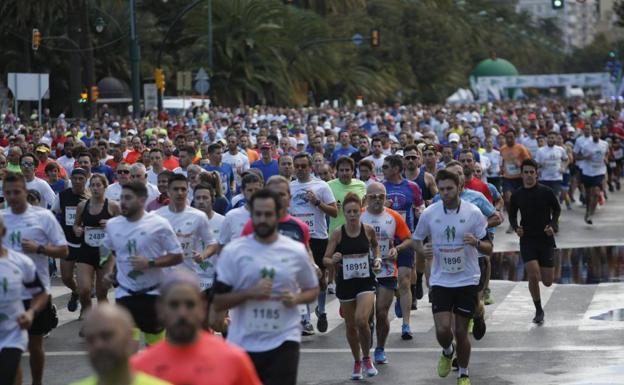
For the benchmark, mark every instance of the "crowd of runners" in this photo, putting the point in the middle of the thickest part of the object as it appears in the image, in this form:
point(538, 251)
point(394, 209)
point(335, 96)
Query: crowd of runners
point(223, 231)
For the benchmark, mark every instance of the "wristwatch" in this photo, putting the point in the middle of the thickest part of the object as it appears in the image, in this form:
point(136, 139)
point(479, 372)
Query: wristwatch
point(151, 263)
point(41, 249)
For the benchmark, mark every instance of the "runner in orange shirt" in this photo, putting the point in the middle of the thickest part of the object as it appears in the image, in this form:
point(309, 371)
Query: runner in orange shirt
point(513, 154)
point(190, 356)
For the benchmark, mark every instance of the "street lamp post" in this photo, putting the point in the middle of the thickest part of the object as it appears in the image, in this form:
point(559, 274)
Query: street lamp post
point(135, 58)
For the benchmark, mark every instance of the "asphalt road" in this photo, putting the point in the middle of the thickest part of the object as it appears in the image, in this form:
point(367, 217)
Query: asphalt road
point(569, 348)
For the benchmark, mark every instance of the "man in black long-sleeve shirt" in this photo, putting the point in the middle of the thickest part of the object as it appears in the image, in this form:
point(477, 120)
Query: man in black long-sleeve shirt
point(540, 211)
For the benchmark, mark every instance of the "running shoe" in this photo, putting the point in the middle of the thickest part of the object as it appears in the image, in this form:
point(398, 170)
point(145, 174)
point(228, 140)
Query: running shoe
point(463, 380)
point(308, 329)
point(406, 333)
point(397, 308)
point(331, 288)
point(380, 356)
point(487, 297)
point(479, 328)
point(357, 371)
point(371, 371)
point(72, 304)
point(444, 364)
point(539, 317)
point(321, 323)
point(470, 326)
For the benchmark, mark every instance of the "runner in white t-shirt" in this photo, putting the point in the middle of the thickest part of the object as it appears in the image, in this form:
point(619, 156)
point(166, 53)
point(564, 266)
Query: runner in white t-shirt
point(457, 230)
point(594, 153)
point(193, 231)
point(113, 191)
point(143, 243)
point(18, 273)
point(553, 161)
point(235, 219)
point(262, 278)
point(311, 200)
point(35, 232)
point(377, 157)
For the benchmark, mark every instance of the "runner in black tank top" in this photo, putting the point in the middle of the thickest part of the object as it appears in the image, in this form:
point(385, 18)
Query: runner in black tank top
point(348, 289)
point(355, 281)
point(93, 234)
point(90, 229)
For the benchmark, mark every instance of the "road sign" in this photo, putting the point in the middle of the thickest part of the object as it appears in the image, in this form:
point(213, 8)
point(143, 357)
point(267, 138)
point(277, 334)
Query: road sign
point(202, 81)
point(150, 96)
point(27, 86)
point(357, 39)
point(185, 81)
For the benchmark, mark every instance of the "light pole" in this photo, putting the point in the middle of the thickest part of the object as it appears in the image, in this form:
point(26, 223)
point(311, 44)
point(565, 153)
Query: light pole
point(210, 63)
point(135, 58)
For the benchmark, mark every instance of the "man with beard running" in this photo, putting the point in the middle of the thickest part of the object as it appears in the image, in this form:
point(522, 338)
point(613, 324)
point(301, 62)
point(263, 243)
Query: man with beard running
point(108, 333)
point(189, 355)
point(143, 244)
point(262, 278)
point(393, 236)
point(457, 230)
point(35, 232)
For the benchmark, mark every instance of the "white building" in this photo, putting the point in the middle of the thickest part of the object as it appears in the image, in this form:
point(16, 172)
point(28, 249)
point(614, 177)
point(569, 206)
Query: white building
point(579, 21)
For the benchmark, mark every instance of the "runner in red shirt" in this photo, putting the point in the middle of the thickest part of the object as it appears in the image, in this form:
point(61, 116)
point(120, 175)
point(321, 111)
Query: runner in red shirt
point(190, 356)
point(466, 158)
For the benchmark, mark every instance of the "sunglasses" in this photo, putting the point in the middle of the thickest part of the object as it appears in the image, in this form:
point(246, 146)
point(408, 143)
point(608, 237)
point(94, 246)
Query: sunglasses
point(27, 164)
point(411, 157)
point(385, 167)
point(123, 172)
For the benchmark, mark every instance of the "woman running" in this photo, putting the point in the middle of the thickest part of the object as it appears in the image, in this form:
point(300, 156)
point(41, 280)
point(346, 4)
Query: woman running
point(91, 217)
point(349, 250)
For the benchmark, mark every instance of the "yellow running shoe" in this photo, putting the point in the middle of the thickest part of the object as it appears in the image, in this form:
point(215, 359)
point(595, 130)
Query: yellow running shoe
point(444, 365)
point(463, 380)
point(470, 326)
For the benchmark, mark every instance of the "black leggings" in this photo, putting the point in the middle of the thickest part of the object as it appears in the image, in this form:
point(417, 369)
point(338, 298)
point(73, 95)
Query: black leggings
point(278, 366)
point(9, 362)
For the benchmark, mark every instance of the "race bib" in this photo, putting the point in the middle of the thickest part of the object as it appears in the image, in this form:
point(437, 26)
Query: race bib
point(452, 259)
point(94, 236)
point(264, 316)
point(512, 169)
point(384, 246)
point(70, 215)
point(206, 283)
point(308, 219)
point(186, 241)
point(355, 266)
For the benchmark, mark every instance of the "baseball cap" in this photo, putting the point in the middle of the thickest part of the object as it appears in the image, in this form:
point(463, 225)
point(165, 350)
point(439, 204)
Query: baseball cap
point(79, 171)
point(453, 137)
point(43, 148)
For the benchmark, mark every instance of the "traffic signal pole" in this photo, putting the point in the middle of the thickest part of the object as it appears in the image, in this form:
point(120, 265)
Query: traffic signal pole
point(135, 58)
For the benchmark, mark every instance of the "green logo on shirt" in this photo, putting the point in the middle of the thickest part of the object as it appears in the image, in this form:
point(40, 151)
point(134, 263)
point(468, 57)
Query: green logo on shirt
point(5, 285)
point(16, 239)
point(267, 272)
point(450, 233)
point(134, 274)
point(204, 265)
point(132, 248)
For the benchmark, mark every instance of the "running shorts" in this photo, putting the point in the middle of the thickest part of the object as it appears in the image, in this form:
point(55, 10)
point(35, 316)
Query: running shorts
point(390, 283)
point(348, 290)
point(539, 250)
point(592, 181)
point(318, 247)
point(143, 310)
point(44, 321)
point(406, 258)
point(277, 366)
point(511, 184)
point(459, 300)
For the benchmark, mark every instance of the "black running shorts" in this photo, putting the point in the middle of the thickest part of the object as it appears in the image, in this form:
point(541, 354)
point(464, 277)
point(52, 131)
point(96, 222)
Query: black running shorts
point(459, 300)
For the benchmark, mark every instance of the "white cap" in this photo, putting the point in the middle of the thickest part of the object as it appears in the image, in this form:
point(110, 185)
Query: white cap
point(453, 137)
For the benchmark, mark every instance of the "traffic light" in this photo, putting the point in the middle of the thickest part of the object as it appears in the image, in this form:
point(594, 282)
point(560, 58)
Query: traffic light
point(375, 37)
point(557, 4)
point(84, 96)
point(36, 39)
point(159, 77)
point(95, 93)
